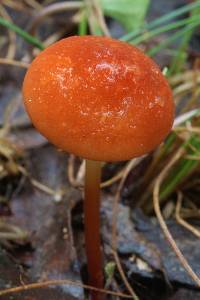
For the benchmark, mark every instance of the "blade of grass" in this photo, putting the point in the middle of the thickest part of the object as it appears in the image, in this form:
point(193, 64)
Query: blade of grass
point(181, 56)
point(173, 38)
point(25, 35)
point(176, 13)
point(185, 166)
point(186, 117)
point(183, 169)
point(167, 146)
point(82, 28)
point(165, 28)
point(92, 7)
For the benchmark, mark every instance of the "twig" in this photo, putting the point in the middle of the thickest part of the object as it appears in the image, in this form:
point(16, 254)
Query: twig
point(59, 282)
point(162, 223)
point(180, 220)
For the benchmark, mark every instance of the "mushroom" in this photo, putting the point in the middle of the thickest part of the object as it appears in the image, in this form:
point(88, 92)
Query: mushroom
point(103, 100)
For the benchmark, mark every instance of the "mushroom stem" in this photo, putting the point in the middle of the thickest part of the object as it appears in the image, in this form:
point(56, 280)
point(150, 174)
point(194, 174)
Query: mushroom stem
point(92, 226)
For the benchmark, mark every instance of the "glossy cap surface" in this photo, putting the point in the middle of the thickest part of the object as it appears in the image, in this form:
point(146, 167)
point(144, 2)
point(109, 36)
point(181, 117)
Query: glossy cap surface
point(98, 98)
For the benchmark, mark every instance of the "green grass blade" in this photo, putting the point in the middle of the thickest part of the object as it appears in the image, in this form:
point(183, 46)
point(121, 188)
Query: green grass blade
point(176, 13)
point(167, 146)
point(181, 56)
point(165, 28)
point(183, 168)
point(82, 29)
point(26, 36)
point(173, 38)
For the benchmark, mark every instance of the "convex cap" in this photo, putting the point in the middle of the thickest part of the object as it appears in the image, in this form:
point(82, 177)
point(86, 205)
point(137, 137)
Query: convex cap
point(98, 98)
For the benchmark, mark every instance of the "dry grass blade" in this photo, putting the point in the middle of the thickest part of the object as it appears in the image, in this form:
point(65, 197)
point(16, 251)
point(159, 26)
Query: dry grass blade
point(127, 170)
point(96, 16)
point(9, 111)
point(192, 128)
point(52, 9)
point(130, 165)
point(185, 87)
point(180, 220)
point(70, 173)
point(187, 83)
point(123, 276)
point(54, 37)
point(34, 4)
point(183, 77)
point(18, 5)
point(81, 172)
point(187, 129)
point(57, 194)
point(162, 223)
point(12, 36)
point(12, 62)
point(185, 116)
point(100, 17)
point(46, 189)
point(44, 284)
point(7, 149)
point(11, 232)
point(113, 179)
point(77, 180)
point(192, 157)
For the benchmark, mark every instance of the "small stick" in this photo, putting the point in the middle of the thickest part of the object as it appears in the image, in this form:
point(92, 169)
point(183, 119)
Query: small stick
point(44, 284)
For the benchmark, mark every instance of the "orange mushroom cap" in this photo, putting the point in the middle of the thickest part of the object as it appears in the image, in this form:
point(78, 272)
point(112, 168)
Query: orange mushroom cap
point(98, 98)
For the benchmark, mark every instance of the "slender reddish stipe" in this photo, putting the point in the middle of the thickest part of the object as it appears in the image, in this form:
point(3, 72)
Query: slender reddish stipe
point(103, 100)
point(92, 226)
